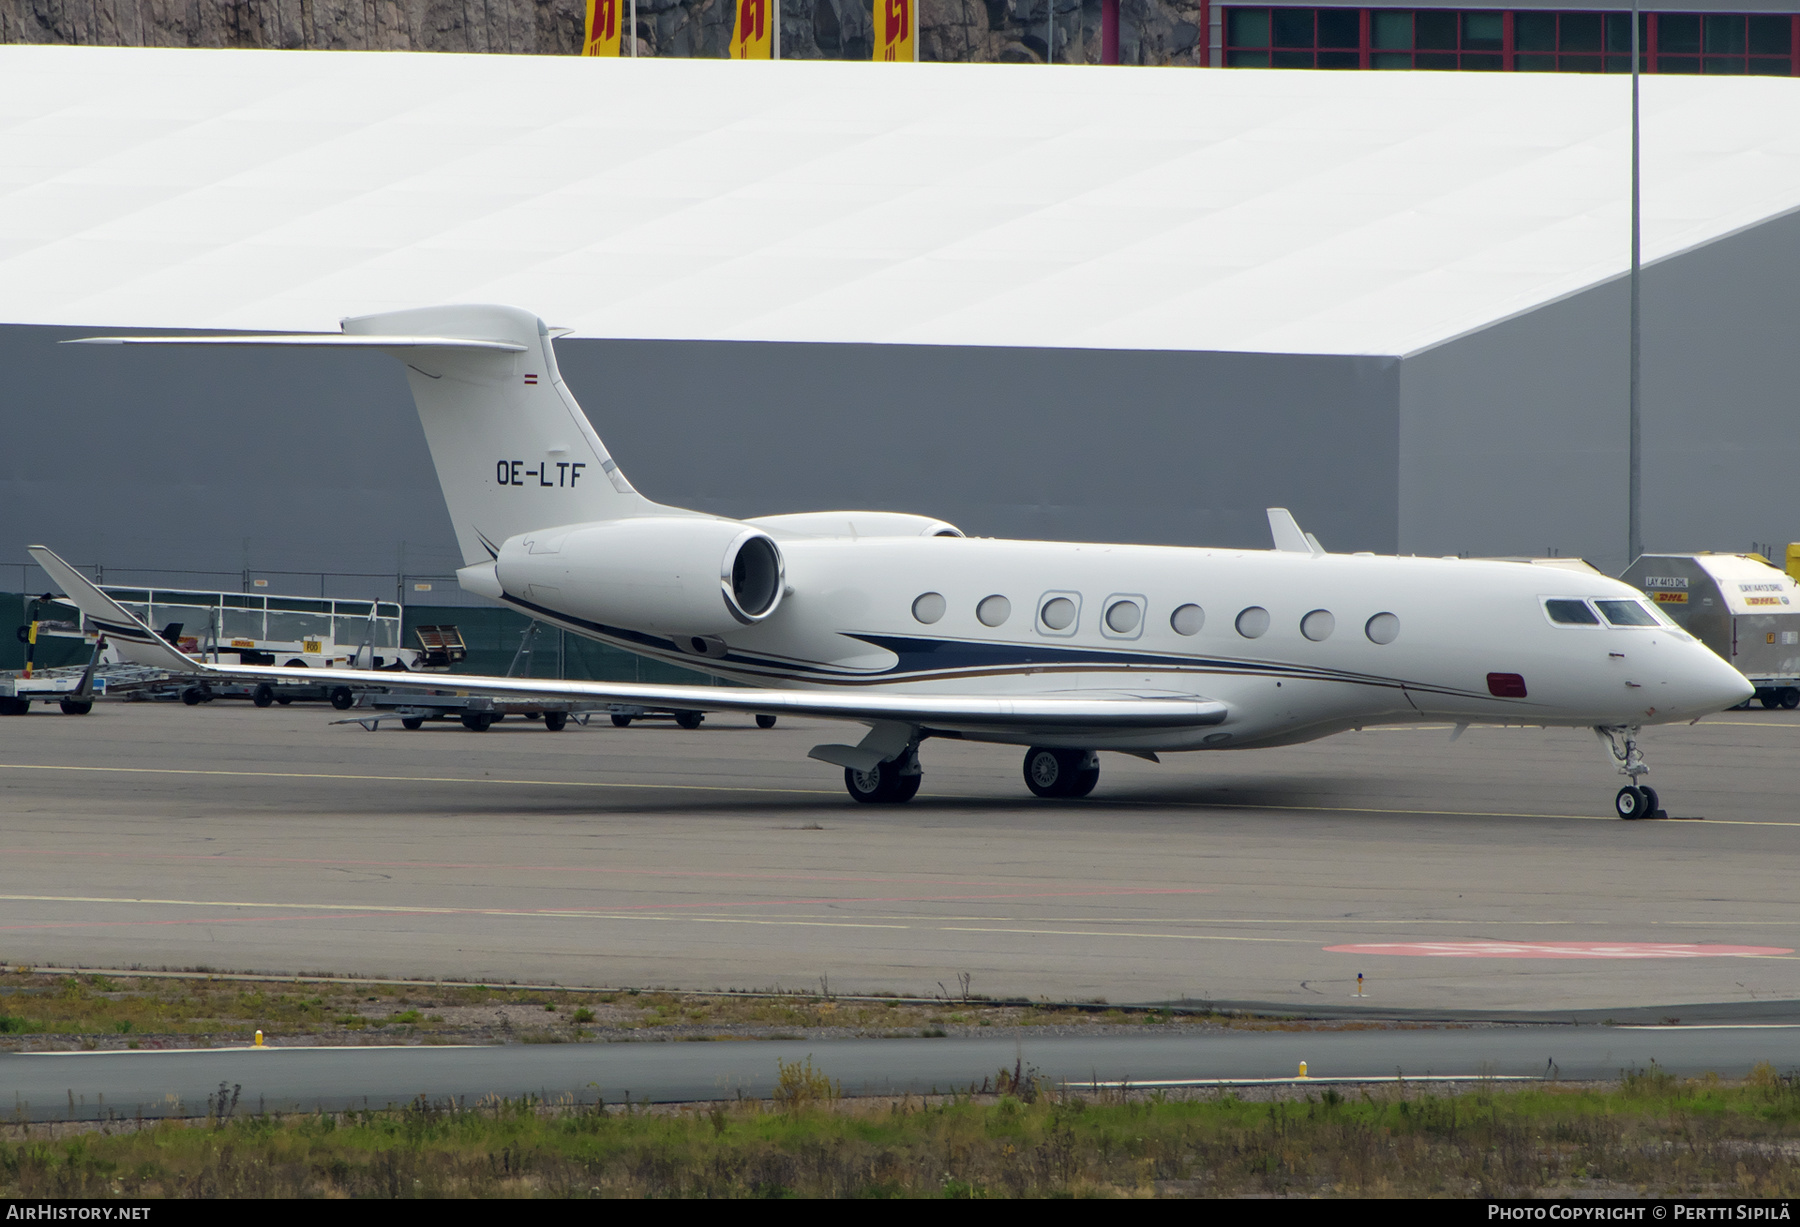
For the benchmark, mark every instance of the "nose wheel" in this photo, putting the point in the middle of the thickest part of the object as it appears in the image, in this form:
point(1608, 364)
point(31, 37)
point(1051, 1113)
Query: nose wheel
point(1638, 801)
point(1635, 800)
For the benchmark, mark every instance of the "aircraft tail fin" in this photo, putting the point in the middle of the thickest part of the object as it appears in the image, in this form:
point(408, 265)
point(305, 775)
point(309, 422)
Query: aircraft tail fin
point(135, 641)
point(513, 450)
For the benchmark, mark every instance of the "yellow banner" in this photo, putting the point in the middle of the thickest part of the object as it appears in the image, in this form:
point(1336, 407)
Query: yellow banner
point(602, 28)
point(753, 37)
point(896, 23)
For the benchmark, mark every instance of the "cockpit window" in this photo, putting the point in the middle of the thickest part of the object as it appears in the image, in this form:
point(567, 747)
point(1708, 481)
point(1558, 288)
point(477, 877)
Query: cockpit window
point(1572, 613)
point(1626, 613)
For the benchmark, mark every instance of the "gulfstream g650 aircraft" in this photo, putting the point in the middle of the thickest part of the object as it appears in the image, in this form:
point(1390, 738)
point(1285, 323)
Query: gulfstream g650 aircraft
point(902, 624)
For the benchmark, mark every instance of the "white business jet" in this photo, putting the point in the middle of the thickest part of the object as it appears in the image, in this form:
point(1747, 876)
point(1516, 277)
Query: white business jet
point(903, 624)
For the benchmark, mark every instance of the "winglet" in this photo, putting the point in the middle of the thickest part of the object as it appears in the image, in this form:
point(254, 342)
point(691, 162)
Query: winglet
point(1289, 538)
point(136, 642)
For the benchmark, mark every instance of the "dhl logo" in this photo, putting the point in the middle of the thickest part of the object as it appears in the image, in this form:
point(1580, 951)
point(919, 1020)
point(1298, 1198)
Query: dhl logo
point(602, 28)
point(896, 33)
point(751, 39)
point(1671, 598)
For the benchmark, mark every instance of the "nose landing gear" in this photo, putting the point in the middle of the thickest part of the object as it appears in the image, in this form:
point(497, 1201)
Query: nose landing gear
point(1635, 800)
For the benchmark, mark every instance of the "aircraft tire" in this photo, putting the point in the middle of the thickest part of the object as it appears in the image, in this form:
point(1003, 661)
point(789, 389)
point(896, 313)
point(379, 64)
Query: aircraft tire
point(263, 695)
point(1054, 773)
point(689, 719)
point(555, 720)
point(477, 721)
point(1632, 803)
point(342, 699)
point(1084, 782)
point(768, 722)
point(77, 707)
point(1652, 802)
point(882, 786)
point(412, 723)
point(621, 722)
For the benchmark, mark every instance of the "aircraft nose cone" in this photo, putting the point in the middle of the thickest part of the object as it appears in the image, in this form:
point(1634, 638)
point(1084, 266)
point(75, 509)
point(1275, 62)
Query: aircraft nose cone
point(1720, 686)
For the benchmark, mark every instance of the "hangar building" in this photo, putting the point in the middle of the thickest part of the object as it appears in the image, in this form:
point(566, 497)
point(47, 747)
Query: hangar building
point(1137, 305)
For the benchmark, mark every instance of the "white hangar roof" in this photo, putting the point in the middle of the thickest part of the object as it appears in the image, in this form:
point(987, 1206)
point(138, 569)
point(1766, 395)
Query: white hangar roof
point(1128, 208)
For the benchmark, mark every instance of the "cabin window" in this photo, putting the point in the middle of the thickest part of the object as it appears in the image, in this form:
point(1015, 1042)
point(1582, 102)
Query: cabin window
point(1253, 623)
point(1124, 617)
point(1383, 628)
point(1570, 613)
point(1187, 620)
point(1058, 612)
point(1626, 613)
point(929, 607)
point(993, 610)
point(1318, 625)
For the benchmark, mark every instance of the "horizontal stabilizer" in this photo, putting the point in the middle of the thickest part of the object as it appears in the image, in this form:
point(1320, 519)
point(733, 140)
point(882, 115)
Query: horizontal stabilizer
point(323, 340)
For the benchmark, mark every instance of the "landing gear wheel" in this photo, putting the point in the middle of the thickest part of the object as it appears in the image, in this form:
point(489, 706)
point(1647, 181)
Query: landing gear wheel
point(342, 699)
point(77, 707)
point(412, 723)
point(883, 784)
point(477, 721)
point(193, 696)
point(263, 695)
point(621, 722)
point(1632, 803)
point(768, 722)
point(1652, 803)
point(1061, 773)
point(689, 719)
point(555, 720)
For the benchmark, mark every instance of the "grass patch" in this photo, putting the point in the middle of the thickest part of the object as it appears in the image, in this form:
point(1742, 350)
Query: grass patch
point(1648, 1135)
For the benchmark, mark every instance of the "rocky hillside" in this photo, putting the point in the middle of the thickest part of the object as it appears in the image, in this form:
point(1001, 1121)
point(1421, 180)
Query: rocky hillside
point(1151, 31)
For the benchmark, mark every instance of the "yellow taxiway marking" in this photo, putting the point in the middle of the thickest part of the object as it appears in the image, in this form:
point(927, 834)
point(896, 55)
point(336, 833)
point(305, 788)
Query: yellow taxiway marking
point(832, 792)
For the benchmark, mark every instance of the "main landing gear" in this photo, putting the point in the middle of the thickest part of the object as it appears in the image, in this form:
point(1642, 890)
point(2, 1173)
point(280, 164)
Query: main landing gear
point(1635, 800)
point(1061, 773)
point(890, 783)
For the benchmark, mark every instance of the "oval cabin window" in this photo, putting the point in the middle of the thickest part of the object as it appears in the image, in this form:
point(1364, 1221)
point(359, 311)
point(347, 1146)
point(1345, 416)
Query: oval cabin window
point(994, 610)
point(1253, 623)
point(1122, 617)
point(929, 607)
point(1187, 620)
point(1383, 628)
point(1058, 613)
point(1318, 625)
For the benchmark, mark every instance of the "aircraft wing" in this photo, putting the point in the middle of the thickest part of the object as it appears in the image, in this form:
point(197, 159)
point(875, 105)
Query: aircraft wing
point(1097, 710)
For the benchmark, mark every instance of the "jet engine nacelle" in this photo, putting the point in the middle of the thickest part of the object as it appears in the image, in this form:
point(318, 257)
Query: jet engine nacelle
point(676, 575)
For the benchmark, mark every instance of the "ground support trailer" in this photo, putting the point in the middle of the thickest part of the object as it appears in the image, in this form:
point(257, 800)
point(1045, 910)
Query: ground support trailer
point(1739, 606)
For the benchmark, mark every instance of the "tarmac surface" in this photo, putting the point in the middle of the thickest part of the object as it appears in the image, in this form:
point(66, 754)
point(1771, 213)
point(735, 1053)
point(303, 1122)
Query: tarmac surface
point(88, 1086)
point(232, 838)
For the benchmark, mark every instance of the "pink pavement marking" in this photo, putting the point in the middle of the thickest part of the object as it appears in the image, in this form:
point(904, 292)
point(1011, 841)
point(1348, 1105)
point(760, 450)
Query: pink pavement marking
point(1558, 950)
